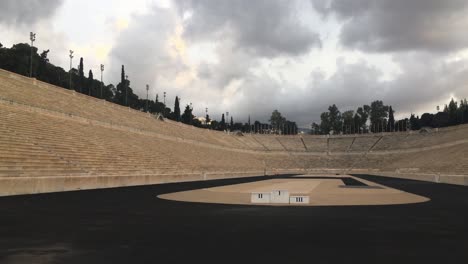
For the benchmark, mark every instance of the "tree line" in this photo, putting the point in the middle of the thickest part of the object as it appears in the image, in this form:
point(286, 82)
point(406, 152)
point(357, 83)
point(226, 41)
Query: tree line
point(19, 57)
point(378, 117)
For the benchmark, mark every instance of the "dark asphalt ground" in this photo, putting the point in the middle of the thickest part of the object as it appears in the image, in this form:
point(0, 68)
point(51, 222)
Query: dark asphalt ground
point(131, 225)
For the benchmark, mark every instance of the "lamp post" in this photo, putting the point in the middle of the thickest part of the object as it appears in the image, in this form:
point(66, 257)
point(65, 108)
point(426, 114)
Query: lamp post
point(227, 120)
point(102, 70)
point(164, 99)
point(126, 90)
point(147, 89)
point(32, 37)
point(69, 73)
point(206, 116)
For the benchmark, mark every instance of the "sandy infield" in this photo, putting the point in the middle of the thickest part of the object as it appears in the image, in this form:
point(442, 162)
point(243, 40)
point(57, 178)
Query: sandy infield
point(325, 191)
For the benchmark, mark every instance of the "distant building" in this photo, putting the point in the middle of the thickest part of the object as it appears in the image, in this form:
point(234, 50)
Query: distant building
point(202, 120)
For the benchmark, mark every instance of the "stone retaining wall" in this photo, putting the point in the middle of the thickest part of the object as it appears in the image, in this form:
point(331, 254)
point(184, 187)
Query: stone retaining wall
point(32, 185)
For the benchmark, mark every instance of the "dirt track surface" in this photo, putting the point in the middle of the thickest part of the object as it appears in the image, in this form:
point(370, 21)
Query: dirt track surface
point(132, 225)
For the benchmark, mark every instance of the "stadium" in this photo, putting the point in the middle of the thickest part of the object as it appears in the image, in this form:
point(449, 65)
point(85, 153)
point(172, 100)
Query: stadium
point(246, 131)
point(150, 187)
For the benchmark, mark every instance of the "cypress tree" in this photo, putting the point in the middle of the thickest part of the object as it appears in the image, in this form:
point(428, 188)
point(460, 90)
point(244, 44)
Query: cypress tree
point(222, 124)
point(122, 75)
point(120, 94)
point(90, 82)
point(176, 109)
point(81, 75)
point(391, 120)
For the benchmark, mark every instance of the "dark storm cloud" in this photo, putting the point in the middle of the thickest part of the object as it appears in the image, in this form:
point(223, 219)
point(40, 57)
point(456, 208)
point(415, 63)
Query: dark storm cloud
point(243, 33)
point(234, 64)
point(425, 82)
point(400, 25)
point(263, 27)
point(352, 85)
point(247, 35)
point(26, 12)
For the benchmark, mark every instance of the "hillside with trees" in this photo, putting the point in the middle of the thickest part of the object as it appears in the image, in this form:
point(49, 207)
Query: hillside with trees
point(378, 117)
point(373, 118)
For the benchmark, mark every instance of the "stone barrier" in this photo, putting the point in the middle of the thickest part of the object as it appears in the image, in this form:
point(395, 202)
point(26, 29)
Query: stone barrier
point(33, 185)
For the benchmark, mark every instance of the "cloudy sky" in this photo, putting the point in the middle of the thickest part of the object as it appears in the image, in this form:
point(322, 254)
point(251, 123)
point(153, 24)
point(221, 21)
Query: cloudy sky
point(254, 56)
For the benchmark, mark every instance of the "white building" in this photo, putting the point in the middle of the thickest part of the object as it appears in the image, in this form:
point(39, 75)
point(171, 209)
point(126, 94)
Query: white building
point(203, 120)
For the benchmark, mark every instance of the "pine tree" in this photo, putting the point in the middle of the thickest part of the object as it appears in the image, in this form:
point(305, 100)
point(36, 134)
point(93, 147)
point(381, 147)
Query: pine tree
point(464, 111)
point(414, 122)
point(187, 116)
point(452, 111)
point(42, 69)
point(378, 115)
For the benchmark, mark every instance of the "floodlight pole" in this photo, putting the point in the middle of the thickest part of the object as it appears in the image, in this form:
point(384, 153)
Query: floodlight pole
point(69, 73)
point(102, 70)
point(227, 120)
point(147, 89)
point(32, 37)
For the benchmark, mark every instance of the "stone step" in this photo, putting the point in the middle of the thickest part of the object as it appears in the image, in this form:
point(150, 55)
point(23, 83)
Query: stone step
point(11, 173)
